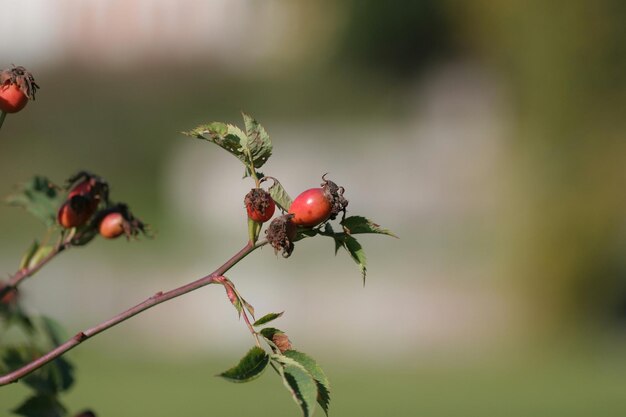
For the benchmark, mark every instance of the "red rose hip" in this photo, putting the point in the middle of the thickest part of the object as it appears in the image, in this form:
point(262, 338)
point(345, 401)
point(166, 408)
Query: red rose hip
point(259, 205)
point(310, 208)
point(12, 99)
point(112, 225)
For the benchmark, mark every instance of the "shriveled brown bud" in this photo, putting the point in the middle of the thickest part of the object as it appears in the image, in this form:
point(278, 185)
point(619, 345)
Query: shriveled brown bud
point(23, 79)
point(281, 341)
point(281, 233)
point(334, 194)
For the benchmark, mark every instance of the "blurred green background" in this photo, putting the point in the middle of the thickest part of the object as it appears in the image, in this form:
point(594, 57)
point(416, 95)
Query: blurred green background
point(488, 135)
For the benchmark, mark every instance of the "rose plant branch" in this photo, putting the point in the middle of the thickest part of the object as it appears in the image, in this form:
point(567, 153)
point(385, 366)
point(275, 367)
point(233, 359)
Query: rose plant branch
point(29, 271)
point(156, 299)
point(85, 211)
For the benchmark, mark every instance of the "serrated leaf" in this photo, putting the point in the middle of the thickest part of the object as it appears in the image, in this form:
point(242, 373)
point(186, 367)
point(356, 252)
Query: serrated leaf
point(358, 224)
point(29, 254)
point(311, 366)
point(267, 318)
point(249, 367)
point(40, 197)
point(280, 196)
point(302, 387)
point(41, 406)
point(258, 145)
point(226, 136)
point(355, 250)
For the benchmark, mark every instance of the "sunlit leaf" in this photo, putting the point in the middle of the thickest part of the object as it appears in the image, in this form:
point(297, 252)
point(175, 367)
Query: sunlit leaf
point(280, 196)
point(258, 144)
point(358, 224)
point(301, 385)
point(228, 137)
point(311, 366)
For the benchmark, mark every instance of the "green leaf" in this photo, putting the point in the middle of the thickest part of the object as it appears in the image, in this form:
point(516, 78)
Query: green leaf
point(52, 378)
point(301, 385)
point(39, 255)
point(258, 145)
point(304, 232)
point(355, 250)
point(28, 255)
point(280, 196)
point(269, 332)
point(39, 197)
point(250, 367)
point(267, 318)
point(41, 406)
point(311, 366)
point(228, 137)
point(358, 224)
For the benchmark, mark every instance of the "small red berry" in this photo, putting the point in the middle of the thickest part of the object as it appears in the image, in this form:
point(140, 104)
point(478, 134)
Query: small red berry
point(12, 99)
point(117, 220)
point(259, 205)
point(112, 225)
point(74, 212)
point(17, 86)
point(310, 208)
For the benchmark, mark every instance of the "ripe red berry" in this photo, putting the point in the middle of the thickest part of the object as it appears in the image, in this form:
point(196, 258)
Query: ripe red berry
point(112, 225)
point(259, 205)
point(17, 86)
point(74, 212)
point(310, 208)
point(12, 99)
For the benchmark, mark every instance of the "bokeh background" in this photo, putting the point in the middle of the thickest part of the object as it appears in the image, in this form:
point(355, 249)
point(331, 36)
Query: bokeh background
point(488, 135)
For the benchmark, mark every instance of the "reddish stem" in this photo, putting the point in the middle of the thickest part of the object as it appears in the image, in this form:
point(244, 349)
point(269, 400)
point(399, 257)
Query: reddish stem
point(156, 299)
point(24, 273)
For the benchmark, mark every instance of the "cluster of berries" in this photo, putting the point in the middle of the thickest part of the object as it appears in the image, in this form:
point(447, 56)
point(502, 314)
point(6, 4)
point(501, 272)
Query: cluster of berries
point(88, 193)
point(311, 208)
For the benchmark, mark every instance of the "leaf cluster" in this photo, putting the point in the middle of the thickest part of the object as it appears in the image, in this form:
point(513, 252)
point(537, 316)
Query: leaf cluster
point(301, 375)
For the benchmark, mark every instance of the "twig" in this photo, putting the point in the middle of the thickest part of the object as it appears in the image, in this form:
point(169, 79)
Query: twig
point(24, 273)
point(156, 299)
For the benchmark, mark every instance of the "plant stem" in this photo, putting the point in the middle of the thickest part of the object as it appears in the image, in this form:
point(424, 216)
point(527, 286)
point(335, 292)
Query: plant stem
point(24, 273)
point(158, 298)
point(2, 116)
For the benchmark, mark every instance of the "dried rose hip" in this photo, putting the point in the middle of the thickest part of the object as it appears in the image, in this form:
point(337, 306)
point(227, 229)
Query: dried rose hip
point(334, 194)
point(17, 86)
point(281, 233)
point(259, 205)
